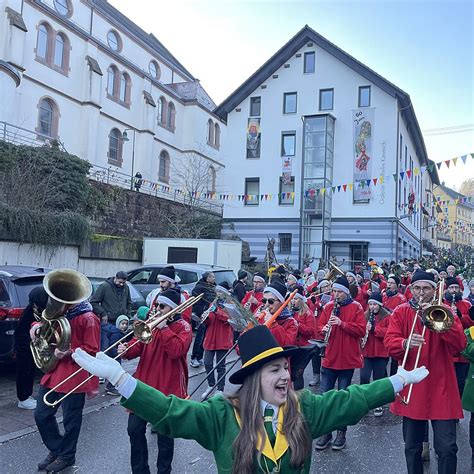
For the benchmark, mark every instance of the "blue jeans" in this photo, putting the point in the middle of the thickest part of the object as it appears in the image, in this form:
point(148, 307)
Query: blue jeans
point(329, 377)
point(375, 366)
point(62, 446)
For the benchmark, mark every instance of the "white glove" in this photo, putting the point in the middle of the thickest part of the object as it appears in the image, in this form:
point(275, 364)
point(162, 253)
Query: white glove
point(100, 365)
point(412, 376)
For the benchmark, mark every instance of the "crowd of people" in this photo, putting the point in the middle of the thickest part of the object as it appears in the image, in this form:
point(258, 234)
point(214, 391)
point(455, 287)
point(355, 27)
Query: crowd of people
point(371, 319)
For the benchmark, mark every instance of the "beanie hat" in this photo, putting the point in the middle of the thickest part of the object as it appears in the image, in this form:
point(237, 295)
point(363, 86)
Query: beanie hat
point(308, 271)
point(142, 312)
point(260, 277)
point(421, 275)
point(171, 298)
point(121, 318)
point(241, 274)
point(277, 289)
point(323, 283)
point(395, 279)
point(342, 284)
point(292, 277)
point(300, 293)
point(167, 274)
point(321, 274)
point(451, 281)
point(376, 298)
point(350, 274)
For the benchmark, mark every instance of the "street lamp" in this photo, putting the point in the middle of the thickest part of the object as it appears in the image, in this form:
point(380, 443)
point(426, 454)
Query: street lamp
point(126, 139)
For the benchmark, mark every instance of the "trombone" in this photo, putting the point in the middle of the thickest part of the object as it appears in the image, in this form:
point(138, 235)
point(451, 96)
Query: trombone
point(437, 318)
point(142, 330)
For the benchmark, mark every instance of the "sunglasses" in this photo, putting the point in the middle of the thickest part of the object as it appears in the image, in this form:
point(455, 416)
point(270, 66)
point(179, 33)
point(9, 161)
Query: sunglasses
point(269, 300)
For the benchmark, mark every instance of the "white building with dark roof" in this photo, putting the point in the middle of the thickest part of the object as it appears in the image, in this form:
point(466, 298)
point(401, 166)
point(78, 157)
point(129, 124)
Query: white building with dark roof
point(316, 147)
point(81, 72)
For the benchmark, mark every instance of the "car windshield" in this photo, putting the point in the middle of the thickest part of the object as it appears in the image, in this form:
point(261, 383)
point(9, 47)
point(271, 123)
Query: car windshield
point(24, 286)
point(134, 293)
point(224, 275)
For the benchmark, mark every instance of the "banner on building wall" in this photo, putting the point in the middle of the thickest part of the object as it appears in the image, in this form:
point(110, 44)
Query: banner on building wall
point(253, 138)
point(286, 169)
point(363, 132)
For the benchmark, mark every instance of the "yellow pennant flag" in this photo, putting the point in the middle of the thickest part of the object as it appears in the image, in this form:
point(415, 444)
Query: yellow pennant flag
point(381, 179)
point(416, 171)
point(351, 185)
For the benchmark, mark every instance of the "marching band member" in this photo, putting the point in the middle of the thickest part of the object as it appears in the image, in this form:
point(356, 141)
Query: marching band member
point(265, 426)
point(285, 327)
point(253, 299)
point(361, 297)
point(450, 270)
point(291, 282)
point(85, 333)
point(460, 308)
point(217, 341)
point(391, 296)
point(470, 296)
point(238, 287)
point(163, 366)
point(309, 278)
point(306, 327)
point(343, 323)
point(437, 398)
point(374, 351)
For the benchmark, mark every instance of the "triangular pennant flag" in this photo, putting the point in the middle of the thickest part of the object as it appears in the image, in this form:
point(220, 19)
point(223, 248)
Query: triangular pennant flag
point(464, 158)
point(439, 165)
point(375, 181)
point(472, 156)
point(333, 189)
point(351, 185)
point(382, 179)
point(323, 190)
point(448, 162)
point(454, 160)
point(395, 177)
point(402, 174)
point(423, 168)
point(408, 172)
point(368, 182)
point(344, 186)
point(416, 171)
point(339, 189)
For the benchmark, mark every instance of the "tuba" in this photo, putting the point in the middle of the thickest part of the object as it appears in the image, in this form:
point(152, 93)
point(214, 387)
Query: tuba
point(334, 272)
point(64, 287)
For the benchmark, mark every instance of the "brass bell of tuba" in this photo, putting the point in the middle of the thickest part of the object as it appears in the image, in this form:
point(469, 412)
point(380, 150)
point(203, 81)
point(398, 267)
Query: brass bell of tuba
point(437, 317)
point(64, 287)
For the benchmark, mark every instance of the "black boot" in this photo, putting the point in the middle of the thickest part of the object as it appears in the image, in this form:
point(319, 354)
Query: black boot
point(59, 465)
point(46, 461)
point(323, 442)
point(340, 441)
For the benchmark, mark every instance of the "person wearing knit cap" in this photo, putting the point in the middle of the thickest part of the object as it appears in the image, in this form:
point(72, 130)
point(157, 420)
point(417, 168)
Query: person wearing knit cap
point(470, 296)
point(253, 299)
point(451, 272)
point(247, 431)
point(238, 287)
point(163, 366)
point(308, 278)
point(321, 274)
point(285, 327)
point(435, 273)
point(343, 319)
point(460, 308)
point(374, 352)
point(356, 291)
point(291, 282)
point(438, 398)
point(392, 297)
point(306, 328)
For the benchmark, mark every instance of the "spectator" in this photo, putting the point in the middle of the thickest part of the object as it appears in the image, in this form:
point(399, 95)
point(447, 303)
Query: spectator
point(138, 181)
point(25, 366)
point(112, 298)
point(238, 287)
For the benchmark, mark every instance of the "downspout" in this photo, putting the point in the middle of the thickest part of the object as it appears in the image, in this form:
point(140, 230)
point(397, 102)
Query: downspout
point(397, 141)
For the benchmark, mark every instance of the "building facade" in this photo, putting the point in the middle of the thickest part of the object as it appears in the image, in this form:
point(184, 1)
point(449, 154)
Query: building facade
point(328, 157)
point(456, 219)
point(81, 72)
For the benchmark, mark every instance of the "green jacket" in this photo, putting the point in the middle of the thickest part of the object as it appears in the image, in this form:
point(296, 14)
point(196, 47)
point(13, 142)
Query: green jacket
point(468, 353)
point(109, 301)
point(214, 426)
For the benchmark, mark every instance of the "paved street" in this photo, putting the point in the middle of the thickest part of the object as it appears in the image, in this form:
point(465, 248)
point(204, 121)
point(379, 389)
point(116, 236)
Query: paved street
point(373, 446)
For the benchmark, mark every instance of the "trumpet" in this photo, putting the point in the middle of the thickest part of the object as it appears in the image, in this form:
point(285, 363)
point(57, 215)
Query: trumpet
point(142, 330)
point(436, 318)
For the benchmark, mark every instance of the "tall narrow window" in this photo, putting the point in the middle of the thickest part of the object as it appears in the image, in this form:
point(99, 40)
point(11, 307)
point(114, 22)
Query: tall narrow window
point(309, 62)
point(211, 185)
point(112, 73)
point(59, 51)
point(217, 135)
point(284, 241)
point(326, 99)
point(288, 144)
point(162, 111)
point(46, 109)
point(286, 195)
point(289, 102)
point(171, 116)
point(255, 106)
point(210, 132)
point(252, 191)
point(123, 87)
point(115, 147)
point(164, 167)
point(43, 41)
point(364, 96)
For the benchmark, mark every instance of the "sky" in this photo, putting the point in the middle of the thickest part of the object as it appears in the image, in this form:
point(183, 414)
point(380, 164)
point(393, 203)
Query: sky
point(424, 47)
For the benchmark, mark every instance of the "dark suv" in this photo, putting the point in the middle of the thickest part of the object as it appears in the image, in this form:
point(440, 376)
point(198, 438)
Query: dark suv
point(16, 282)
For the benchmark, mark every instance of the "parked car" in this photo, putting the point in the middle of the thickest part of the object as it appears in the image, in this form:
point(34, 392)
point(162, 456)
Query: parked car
point(16, 282)
point(145, 278)
point(137, 298)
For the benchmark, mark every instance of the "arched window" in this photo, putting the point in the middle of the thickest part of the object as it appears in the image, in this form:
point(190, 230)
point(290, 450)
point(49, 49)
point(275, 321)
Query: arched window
point(154, 70)
point(164, 167)
point(61, 52)
point(162, 111)
point(211, 184)
point(115, 147)
point(43, 43)
point(48, 116)
point(112, 81)
point(125, 87)
point(217, 135)
point(171, 116)
point(210, 132)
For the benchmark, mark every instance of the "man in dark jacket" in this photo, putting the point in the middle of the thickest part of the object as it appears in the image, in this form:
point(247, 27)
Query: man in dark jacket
point(112, 298)
point(207, 287)
point(238, 287)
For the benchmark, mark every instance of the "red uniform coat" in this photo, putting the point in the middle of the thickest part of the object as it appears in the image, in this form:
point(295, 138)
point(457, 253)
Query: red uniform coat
point(436, 397)
point(306, 327)
point(258, 295)
point(219, 334)
point(85, 333)
point(374, 346)
point(408, 294)
point(391, 302)
point(343, 350)
point(163, 361)
point(362, 298)
point(285, 331)
point(463, 307)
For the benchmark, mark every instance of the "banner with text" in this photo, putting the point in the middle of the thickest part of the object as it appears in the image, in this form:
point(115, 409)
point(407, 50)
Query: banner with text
point(363, 130)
